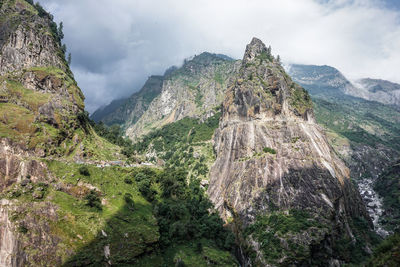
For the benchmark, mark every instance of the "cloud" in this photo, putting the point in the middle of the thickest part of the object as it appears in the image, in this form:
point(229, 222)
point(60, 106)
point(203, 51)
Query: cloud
point(117, 44)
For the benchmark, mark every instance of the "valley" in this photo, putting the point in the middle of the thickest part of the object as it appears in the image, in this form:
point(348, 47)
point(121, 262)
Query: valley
point(218, 162)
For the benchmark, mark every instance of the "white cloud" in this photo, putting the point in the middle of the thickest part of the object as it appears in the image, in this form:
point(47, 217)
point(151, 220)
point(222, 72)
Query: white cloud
point(121, 42)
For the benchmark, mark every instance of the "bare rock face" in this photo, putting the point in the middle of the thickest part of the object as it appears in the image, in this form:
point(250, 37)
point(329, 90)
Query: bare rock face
point(39, 97)
point(274, 160)
point(15, 164)
point(28, 45)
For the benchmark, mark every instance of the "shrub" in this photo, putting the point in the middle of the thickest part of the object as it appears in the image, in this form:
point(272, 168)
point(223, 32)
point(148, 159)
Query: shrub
point(93, 200)
point(128, 181)
point(83, 170)
point(129, 201)
point(22, 229)
point(269, 150)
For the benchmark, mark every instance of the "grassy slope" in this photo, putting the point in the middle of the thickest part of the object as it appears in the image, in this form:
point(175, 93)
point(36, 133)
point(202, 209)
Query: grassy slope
point(359, 121)
point(185, 143)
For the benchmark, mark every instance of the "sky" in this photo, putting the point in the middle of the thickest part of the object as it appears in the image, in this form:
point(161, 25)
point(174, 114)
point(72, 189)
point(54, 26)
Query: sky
point(116, 45)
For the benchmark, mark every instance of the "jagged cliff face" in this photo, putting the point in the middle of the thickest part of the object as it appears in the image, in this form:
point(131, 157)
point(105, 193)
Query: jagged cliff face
point(273, 159)
point(36, 83)
point(26, 41)
point(128, 111)
point(40, 104)
point(194, 90)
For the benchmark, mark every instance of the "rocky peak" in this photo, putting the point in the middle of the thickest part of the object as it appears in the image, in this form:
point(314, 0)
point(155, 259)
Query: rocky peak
point(254, 49)
point(263, 89)
point(273, 161)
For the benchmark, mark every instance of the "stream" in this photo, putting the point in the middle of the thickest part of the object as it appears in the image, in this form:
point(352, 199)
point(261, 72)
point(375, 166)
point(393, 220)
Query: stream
point(373, 203)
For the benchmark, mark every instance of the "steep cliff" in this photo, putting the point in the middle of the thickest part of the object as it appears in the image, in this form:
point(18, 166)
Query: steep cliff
point(194, 90)
point(275, 178)
point(41, 117)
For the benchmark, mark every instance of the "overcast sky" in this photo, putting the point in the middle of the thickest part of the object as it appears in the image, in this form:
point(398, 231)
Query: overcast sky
point(117, 44)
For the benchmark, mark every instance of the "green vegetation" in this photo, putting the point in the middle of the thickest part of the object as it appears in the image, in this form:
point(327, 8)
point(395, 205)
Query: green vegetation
point(84, 171)
point(300, 99)
point(271, 229)
point(359, 121)
point(93, 200)
point(269, 150)
point(352, 249)
point(387, 253)
point(101, 209)
point(187, 130)
point(388, 187)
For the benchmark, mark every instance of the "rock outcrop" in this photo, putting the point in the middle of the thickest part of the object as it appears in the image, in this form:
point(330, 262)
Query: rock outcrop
point(274, 160)
point(26, 41)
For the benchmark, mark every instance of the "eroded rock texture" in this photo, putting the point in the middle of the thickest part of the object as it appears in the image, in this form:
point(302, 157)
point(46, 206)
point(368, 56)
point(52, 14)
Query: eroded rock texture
point(273, 159)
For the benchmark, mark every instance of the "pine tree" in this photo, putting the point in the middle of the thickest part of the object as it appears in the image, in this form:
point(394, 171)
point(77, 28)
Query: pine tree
point(269, 50)
point(69, 59)
point(60, 31)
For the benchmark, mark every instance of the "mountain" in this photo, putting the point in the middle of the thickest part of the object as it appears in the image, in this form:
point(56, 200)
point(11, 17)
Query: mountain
point(128, 111)
point(357, 128)
point(364, 133)
point(275, 177)
point(47, 198)
point(193, 90)
point(68, 197)
point(319, 79)
point(254, 180)
point(379, 90)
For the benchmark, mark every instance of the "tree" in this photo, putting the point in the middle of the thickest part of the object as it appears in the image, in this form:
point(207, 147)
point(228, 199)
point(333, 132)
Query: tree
point(69, 59)
point(278, 59)
point(60, 30)
point(269, 50)
point(93, 200)
point(64, 48)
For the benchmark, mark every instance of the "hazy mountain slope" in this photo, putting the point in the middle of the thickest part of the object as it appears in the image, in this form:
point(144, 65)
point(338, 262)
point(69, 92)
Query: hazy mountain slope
point(320, 80)
point(379, 90)
point(274, 167)
point(128, 111)
point(326, 80)
point(194, 90)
